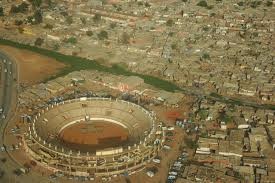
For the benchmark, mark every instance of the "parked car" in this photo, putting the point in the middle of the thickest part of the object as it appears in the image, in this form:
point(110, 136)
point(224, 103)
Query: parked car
point(3, 148)
point(11, 148)
point(52, 176)
point(16, 147)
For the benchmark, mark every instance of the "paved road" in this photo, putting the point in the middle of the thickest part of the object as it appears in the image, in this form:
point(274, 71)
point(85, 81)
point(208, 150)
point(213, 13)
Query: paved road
point(8, 90)
point(8, 99)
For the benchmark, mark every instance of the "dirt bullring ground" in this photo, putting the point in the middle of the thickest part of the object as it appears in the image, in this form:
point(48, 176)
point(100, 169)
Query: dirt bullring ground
point(94, 135)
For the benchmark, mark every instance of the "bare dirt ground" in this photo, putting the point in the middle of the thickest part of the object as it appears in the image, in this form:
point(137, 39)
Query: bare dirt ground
point(33, 68)
point(91, 136)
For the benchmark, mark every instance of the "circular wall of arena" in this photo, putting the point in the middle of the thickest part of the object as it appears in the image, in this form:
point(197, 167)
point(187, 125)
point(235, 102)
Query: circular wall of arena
point(107, 136)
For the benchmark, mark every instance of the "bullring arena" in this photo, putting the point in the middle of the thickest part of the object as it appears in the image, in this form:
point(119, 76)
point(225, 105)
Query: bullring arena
point(93, 137)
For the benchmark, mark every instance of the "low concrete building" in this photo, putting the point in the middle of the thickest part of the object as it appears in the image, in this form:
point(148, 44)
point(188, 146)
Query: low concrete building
point(271, 135)
point(130, 83)
point(230, 148)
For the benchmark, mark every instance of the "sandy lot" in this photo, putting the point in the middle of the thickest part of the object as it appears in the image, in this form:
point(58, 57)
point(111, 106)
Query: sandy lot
point(33, 68)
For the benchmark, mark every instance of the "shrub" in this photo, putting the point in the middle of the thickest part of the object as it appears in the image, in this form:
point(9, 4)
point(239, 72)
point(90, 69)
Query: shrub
point(71, 40)
point(240, 3)
point(202, 3)
point(206, 56)
point(269, 3)
point(255, 4)
point(18, 22)
point(102, 35)
point(48, 26)
point(83, 20)
point(69, 20)
point(125, 38)
point(169, 22)
point(147, 5)
point(36, 3)
point(38, 42)
point(38, 18)
point(89, 33)
point(190, 143)
point(97, 18)
point(174, 46)
point(22, 8)
point(112, 25)
point(1, 11)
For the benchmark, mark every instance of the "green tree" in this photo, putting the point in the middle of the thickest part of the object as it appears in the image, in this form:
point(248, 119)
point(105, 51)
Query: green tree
point(147, 5)
point(255, 4)
point(13, 9)
point(89, 33)
point(269, 3)
point(83, 20)
point(2, 173)
point(240, 3)
point(64, 13)
point(206, 56)
point(112, 25)
point(190, 143)
point(18, 22)
point(104, 2)
point(69, 20)
point(125, 38)
point(22, 8)
point(202, 3)
point(48, 26)
point(56, 47)
point(36, 3)
point(49, 3)
point(1, 11)
point(39, 41)
point(174, 46)
point(97, 18)
point(169, 22)
point(38, 18)
point(71, 40)
point(102, 35)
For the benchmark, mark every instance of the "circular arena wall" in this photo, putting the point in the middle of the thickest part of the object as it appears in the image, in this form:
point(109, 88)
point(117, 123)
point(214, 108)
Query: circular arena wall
point(45, 143)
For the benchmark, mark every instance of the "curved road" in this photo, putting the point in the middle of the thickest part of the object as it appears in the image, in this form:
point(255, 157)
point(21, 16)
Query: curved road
point(8, 100)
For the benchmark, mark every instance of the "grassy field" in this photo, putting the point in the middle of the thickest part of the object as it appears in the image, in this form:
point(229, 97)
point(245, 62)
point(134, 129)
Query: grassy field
point(75, 63)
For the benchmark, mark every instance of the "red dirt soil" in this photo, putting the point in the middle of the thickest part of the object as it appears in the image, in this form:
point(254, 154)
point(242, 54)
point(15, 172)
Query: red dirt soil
point(94, 135)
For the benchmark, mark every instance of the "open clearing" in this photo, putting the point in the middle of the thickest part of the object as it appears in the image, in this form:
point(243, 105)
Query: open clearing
point(33, 68)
